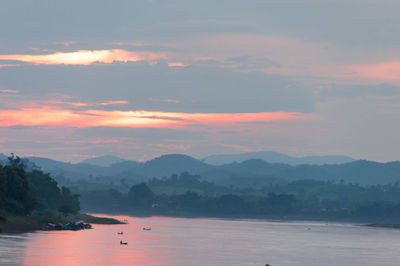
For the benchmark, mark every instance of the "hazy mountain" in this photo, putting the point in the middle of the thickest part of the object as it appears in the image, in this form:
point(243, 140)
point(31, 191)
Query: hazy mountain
point(276, 157)
point(243, 173)
point(174, 163)
point(3, 157)
point(106, 160)
point(357, 172)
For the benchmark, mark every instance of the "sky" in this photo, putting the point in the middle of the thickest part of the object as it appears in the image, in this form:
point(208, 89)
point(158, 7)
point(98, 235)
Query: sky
point(138, 79)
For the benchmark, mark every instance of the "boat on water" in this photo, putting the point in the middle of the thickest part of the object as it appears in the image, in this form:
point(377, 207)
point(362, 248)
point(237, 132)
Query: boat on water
point(146, 229)
point(77, 226)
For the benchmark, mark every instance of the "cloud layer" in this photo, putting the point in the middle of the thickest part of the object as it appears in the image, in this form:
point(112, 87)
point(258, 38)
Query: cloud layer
point(142, 78)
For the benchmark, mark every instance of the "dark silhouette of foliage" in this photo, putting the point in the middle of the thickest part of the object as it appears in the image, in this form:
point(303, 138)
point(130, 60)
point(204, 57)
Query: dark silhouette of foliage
point(22, 191)
point(141, 195)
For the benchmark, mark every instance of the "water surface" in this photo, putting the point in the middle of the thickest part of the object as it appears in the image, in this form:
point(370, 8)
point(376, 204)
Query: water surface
point(181, 241)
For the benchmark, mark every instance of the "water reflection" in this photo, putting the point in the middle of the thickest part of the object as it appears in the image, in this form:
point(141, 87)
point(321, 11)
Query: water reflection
point(100, 246)
point(178, 241)
point(12, 248)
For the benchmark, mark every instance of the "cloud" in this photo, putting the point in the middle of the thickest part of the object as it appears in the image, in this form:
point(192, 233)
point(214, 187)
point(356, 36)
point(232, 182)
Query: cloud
point(388, 71)
point(57, 117)
point(8, 91)
point(8, 65)
point(163, 100)
point(177, 64)
point(83, 104)
point(198, 89)
point(86, 57)
point(112, 103)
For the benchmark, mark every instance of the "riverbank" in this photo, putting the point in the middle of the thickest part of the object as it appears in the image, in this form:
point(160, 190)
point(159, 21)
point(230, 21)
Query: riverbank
point(24, 224)
point(392, 226)
point(388, 223)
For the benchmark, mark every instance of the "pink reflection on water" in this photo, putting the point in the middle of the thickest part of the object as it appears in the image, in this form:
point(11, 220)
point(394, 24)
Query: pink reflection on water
point(100, 246)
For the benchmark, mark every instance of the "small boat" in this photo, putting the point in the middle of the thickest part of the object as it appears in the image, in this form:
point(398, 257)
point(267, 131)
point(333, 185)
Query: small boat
point(147, 229)
point(87, 226)
point(123, 243)
point(120, 233)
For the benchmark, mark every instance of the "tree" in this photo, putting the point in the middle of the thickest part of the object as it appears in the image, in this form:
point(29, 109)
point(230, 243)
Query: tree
point(141, 195)
point(65, 209)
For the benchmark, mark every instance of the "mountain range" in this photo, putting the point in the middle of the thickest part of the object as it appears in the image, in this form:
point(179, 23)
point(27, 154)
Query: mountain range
point(253, 171)
point(276, 157)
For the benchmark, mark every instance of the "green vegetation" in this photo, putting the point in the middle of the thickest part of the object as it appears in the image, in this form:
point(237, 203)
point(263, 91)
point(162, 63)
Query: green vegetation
point(32, 194)
point(189, 195)
point(22, 192)
point(28, 198)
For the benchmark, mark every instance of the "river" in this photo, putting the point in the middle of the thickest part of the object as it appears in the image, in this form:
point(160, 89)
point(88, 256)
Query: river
point(185, 241)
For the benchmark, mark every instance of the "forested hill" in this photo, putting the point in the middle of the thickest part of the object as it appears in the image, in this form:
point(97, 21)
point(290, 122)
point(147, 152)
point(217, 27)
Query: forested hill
point(276, 157)
point(22, 192)
point(358, 172)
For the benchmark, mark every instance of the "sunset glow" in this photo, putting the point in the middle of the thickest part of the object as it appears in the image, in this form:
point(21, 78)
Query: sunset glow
point(86, 57)
point(177, 64)
point(48, 116)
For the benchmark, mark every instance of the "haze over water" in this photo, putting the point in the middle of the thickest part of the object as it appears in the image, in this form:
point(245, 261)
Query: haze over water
point(181, 241)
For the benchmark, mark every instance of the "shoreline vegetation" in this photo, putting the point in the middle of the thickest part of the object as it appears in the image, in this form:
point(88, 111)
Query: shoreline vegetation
point(293, 218)
point(31, 223)
point(392, 226)
point(300, 200)
point(25, 224)
point(32, 200)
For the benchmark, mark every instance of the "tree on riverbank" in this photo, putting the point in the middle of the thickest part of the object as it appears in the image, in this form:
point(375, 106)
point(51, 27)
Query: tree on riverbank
point(21, 192)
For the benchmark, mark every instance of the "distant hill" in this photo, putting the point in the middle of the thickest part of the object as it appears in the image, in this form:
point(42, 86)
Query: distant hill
point(276, 157)
point(106, 160)
point(3, 157)
point(254, 172)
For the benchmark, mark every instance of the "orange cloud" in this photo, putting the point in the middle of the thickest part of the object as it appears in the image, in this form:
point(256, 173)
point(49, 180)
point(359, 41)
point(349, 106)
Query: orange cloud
point(86, 57)
point(112, 102)
point(49, 116)
point(177, 64)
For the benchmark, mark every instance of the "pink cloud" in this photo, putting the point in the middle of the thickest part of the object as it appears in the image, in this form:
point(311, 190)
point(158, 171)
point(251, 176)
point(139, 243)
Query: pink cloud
point(58, 117)
point(382, 72)
point(8, 91)
point(84, 104)
point(112, 103)
point(36, 155)
point(8, 65)
point(86, 57)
